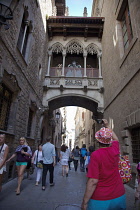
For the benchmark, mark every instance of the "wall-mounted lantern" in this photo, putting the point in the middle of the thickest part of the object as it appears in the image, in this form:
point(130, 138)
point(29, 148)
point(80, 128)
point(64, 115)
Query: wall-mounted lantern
point(57, 115)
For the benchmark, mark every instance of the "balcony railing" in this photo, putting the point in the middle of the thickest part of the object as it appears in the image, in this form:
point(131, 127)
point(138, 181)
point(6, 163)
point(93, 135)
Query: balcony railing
point(74, 72)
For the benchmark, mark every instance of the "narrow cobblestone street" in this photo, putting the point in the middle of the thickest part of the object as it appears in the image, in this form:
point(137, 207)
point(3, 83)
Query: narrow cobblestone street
point(67, 190)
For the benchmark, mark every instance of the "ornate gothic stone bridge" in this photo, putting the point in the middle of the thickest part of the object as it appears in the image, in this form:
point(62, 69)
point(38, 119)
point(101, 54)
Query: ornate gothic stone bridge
point(74, 75)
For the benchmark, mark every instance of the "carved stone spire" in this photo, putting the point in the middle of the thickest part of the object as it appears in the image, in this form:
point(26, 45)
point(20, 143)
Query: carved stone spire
point(54, 11)
point(85, 14)
point(67, 11)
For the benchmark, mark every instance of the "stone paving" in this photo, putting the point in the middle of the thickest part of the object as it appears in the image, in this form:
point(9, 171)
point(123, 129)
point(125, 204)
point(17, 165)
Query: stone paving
point(67, 193)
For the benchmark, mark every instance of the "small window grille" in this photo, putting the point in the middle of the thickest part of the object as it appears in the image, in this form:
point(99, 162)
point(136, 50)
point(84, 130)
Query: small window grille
point(5, 103)
point(30, 119)
point(135, 136)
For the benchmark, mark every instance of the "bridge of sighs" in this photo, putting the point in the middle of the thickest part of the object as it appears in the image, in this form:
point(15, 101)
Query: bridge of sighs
point(74, 63)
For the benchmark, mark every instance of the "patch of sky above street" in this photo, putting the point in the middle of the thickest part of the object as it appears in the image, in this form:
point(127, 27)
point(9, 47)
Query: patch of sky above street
point(76, 7)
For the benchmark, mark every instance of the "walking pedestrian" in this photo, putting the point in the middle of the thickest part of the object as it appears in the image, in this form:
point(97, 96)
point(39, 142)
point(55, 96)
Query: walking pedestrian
point(104, 189)
point(76, 157)
point(83, 154)
point(22, 154)
point(64, 157)
point(3, 156)
point(38, 158)
point(91, 149)
point(48, 152)
point(70, 158)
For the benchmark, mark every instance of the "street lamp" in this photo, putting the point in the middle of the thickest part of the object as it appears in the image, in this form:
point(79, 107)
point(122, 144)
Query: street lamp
point(5, 13)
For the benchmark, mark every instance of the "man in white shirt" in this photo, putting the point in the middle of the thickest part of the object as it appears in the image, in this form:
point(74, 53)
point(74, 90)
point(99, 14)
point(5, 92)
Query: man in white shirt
point(48, 152)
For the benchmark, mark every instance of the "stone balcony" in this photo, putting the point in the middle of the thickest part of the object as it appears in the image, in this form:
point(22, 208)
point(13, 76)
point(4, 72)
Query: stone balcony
point(73, 78)
point(67, 90)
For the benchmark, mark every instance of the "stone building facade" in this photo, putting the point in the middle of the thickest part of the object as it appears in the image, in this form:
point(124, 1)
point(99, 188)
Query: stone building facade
point(23, 66)
point(121, 71)
point(85, 128)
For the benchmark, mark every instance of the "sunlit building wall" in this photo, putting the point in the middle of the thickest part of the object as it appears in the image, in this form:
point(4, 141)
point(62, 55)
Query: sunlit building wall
point(121, 72)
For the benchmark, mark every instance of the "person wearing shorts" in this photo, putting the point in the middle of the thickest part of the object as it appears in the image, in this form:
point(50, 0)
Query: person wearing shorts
point(64, 158)
point(21, 153)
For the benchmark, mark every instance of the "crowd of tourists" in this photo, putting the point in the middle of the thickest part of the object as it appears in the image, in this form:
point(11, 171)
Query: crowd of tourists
point(104, 188)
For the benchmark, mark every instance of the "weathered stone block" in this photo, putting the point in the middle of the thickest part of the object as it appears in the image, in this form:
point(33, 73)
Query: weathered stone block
point(125, 149)
point(128, 120)
point(124, 133)
point(125, 124)
point(137, 114)
point(127, 141)
point(133, 168)
point(132, 117)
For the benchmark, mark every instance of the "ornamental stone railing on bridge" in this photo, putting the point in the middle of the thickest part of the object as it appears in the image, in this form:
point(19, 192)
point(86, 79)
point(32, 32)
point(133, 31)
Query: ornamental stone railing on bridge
point(57, 86)
point(73, 78)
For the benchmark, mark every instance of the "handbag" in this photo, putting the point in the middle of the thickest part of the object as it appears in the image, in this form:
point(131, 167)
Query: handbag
point(27, 158)
point(124, 168)
point(40, 163)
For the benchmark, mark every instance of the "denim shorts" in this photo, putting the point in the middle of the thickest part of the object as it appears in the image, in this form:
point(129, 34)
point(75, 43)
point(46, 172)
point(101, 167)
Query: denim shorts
point(21, 163)
point(114, 204)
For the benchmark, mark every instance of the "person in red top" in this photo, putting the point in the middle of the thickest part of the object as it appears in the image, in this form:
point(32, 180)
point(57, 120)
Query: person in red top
point(104, 190)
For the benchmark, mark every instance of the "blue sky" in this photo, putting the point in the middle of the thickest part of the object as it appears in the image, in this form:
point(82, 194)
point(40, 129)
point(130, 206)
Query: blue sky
point(76, 7)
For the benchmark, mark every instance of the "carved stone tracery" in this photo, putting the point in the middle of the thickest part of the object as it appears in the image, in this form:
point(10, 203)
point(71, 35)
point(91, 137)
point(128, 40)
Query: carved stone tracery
point(92, 49)
point(57, 48)
point(74, 47)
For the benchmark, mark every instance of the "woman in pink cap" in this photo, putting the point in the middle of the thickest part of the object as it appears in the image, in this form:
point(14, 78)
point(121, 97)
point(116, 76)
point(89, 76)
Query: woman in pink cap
point(104, 190)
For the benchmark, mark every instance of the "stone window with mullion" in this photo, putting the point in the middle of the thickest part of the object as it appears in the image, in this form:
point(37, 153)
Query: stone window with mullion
point(25, 30)
point(126, 28)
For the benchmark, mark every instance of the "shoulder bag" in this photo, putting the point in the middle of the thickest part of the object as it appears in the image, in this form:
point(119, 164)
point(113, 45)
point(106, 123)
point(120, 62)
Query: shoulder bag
point(124, 168)
point(40, 163)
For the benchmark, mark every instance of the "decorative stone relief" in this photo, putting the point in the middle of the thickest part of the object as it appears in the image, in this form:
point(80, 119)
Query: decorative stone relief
point(91, 49)
point(54, 81)
point(73, 82)
point(74, 47)
point(93, 83)
point(57, 48)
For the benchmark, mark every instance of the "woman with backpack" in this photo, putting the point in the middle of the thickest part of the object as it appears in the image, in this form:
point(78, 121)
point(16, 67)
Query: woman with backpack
point(76, 156)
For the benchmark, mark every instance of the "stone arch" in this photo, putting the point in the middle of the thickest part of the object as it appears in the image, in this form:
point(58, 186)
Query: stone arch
point(57, 48)
point(92, 49)
point(73, 100)
point(74, 46)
